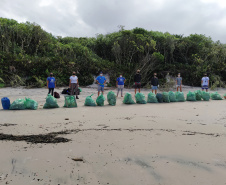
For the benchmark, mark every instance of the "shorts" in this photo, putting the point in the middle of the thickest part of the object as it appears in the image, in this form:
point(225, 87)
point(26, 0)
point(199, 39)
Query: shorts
point(178, 85)
point(100, 88)
point(120, 87)
point(205, 87)
point(137, 85)
point(154, 87)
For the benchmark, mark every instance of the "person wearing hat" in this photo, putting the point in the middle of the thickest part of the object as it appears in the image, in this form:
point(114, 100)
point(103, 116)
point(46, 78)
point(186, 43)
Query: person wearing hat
point(179, 82)
point(137, 81)
point(154, 83)
point(101, 80)
point(205, 82)
point(51, 83)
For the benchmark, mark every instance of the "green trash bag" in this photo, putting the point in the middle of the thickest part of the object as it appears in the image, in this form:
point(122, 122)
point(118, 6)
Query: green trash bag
point(80, 89)
point(198, 95)
point(100, 100)
point(31, 104)
point(165, 97)
point(140, 98)
point(180, 96)
point(159, 97)
point(205, 96)
point(216, 96)
point(191, 96)
point(70, 101)
point(51, 102)
point(89, 101)
point(152, 98)
point(128, 99)
point(111, 98)
point(18, 104)
point(172, 96)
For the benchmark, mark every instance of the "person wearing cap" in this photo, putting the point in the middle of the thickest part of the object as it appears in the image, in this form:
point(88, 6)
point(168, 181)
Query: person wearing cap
point(120, 84)
point(154, 83)
point(51, 83)
point(73, 84)
point(101, 80)
point(179, 82)
point(137, 81)
point(205, 82)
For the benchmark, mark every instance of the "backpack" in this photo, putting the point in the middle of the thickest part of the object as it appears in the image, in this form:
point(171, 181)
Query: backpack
point(56, 95)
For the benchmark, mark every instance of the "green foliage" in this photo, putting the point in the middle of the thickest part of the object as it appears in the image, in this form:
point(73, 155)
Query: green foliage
point(34, 53)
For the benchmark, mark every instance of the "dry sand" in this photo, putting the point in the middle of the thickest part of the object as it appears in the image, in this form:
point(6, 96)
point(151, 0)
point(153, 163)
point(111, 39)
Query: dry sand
point(160, 144)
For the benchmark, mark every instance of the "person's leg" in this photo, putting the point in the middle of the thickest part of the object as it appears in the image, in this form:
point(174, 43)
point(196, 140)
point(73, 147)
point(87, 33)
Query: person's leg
point(102, 89)
point(139, 90)
point(118, 91)
point(135, 90)
point(180, 88)
point(207, 89)
point(49, 90)
point(76, 91)
point(99, 88)
point(155, 91)
point(52, 91)
point(72, 89)
point(177, 88)
point(122, 90)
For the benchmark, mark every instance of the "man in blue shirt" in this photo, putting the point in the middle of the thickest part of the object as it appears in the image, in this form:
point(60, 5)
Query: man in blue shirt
point(51, 83)
point(101, 80)
point(120, 84)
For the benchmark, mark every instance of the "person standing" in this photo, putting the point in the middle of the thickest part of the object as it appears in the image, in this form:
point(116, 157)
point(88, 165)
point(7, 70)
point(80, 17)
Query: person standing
point(137, 81)
point(73, 84)
point(154, 83)
point(179, 82)
point(205, 82)
point(51, 83)
point(120, 84)
point(101, 80)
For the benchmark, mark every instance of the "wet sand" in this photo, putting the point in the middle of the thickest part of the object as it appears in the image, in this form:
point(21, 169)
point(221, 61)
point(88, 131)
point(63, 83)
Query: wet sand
point(159, 144)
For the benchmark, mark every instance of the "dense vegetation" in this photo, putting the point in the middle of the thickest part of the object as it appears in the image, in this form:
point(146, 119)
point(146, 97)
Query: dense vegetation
point(28, 54)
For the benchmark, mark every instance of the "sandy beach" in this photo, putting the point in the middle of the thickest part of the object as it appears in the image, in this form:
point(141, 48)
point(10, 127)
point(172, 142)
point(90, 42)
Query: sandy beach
point(182, 143)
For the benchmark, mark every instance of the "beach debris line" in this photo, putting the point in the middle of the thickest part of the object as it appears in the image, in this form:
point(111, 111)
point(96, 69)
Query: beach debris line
point(41, 138)
point(77, 159)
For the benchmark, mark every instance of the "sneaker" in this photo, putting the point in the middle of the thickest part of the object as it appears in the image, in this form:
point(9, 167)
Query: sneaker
point(77, 97)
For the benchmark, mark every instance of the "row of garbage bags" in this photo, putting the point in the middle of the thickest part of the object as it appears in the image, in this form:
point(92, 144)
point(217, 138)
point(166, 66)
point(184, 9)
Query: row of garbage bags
point(70, 101)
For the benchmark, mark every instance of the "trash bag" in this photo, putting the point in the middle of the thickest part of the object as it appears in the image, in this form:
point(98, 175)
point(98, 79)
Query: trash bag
point(205, 96)
point(224, 96)
point(172, 96)
point(165, 97)
point(198, 95)
point(180, 96)
point(31, 104)
point(51, 102)
point(111, 98)
point(128, 99)
point(100, 100)
point(89, 101)
point(152, 98)
point(159, 97)
point(70, 101)
point(191, 96)
point(216, 96)
point(80, 90)
point(140, 98)
point(18, 104)
point(5, 103)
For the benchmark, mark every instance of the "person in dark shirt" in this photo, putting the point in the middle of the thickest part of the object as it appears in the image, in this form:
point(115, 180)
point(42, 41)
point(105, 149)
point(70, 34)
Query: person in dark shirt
point(137, 80)
point(154, 83)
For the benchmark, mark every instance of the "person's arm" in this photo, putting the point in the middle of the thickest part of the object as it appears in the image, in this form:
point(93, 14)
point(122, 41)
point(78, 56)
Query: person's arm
point(201, 82)
point(104, 81)
point(47, 83)
point(117, 83)
point(124, 81)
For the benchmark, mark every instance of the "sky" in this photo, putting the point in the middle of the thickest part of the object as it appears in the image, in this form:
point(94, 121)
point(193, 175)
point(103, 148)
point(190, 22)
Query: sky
point(87, 18)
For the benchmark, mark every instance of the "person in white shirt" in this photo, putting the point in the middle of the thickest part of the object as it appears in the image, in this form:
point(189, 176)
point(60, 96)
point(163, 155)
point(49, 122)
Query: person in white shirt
point(73, 84)
point(205, 82)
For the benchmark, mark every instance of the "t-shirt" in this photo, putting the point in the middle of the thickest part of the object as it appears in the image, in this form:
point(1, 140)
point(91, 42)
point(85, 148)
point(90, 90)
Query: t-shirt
point(101, 80)
point(154, 81)
point(74, 79)
point(121, 80)
point(179, 80)
point(205, 80)
point(51, 81)
point(137, 78)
